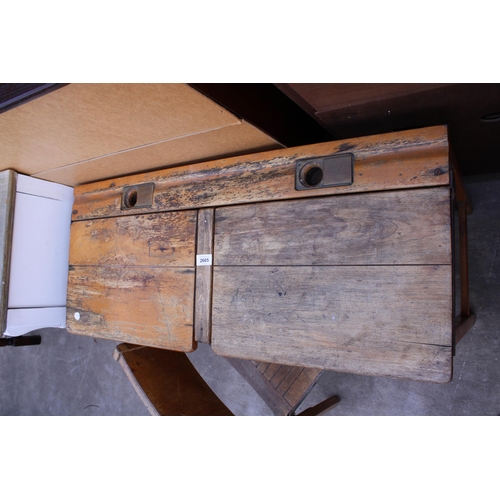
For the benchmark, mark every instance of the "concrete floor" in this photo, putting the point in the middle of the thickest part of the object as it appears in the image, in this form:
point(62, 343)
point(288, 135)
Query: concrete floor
point(73, 375)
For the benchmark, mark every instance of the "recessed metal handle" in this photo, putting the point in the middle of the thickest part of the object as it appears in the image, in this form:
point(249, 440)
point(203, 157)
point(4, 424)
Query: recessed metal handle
point(140, 196)
point(327, 171)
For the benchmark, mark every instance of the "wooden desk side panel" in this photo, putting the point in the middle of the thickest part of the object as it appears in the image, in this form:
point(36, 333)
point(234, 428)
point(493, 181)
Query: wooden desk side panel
point(151, 307)
point(414, 158)
point(374, 320)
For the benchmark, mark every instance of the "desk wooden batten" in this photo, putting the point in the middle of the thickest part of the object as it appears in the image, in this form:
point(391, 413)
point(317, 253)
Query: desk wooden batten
point(355, 277)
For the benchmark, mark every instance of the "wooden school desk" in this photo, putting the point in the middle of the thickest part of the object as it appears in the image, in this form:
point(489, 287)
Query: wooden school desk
point(338, 256)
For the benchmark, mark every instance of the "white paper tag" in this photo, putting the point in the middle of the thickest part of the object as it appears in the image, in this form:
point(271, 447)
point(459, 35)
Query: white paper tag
point(204, 259)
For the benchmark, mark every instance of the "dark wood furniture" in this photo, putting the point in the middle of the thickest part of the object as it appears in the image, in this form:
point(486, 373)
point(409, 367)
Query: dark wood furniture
point(169, 384)
point(470, 110)
point(283, 388)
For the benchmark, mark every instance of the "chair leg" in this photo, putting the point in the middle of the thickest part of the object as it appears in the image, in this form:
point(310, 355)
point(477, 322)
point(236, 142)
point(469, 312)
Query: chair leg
point(320, 408)
point(465, 321)
point(23, 340)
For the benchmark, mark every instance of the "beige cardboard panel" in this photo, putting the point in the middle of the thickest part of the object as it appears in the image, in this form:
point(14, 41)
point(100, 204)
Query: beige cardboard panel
point(83, 121)
point(228, 141)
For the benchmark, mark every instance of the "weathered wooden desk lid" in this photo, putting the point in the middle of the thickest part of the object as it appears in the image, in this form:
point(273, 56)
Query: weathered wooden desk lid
point(354, 274)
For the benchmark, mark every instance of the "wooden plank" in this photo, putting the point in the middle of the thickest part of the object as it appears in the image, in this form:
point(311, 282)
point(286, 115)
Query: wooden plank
point(289, 379)
point(271, 370)
point(122, 354)
point(261, 385)
point(133, 304)
point(462, 325)
point(463, 259)
point(410, 227)
point(203, 299)
point(124, 348)
point(402, 160)
point(302, 386)
point(8, 180)
point(155, 240)
point(321, 408)
point(168, 383)
point(458, 183)
point(279, 375)
point(325, 97)
point(268, 109)
point(373, 320)
point(262, 367)
point(463, 107)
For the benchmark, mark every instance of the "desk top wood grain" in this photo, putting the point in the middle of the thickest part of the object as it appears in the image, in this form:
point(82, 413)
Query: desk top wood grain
point(375, 320)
